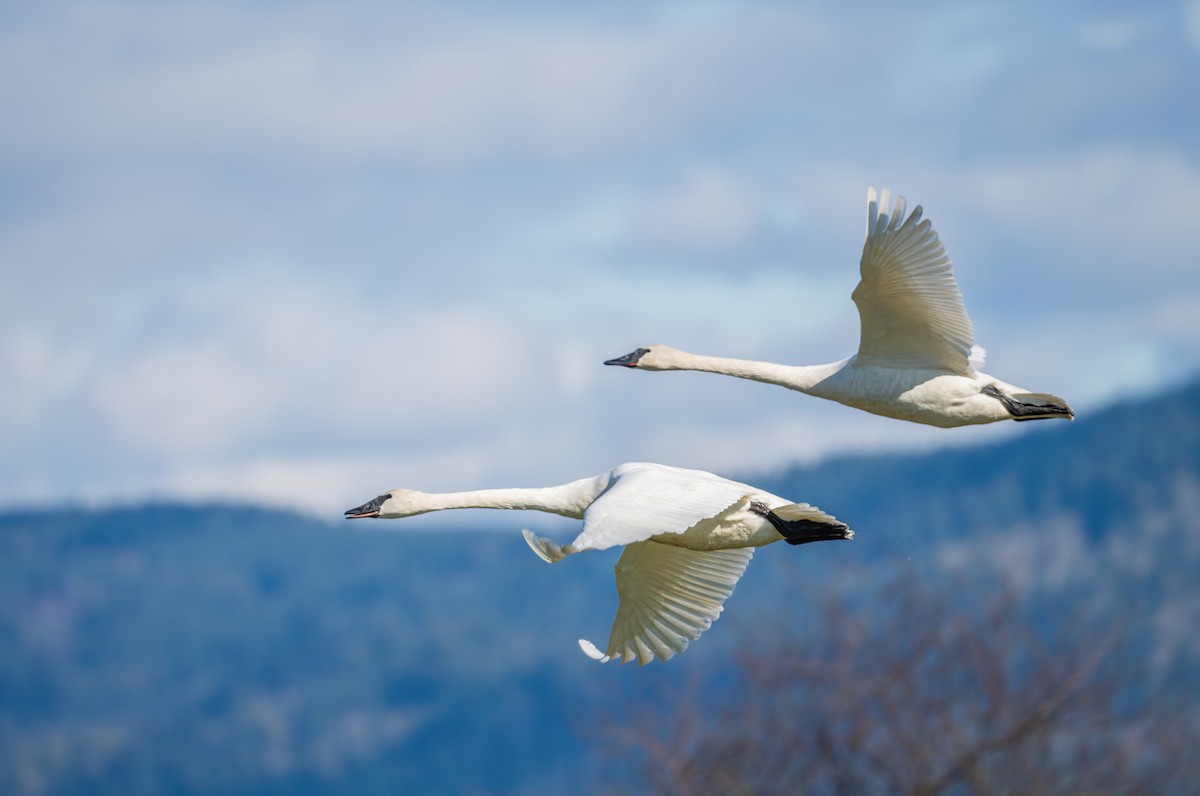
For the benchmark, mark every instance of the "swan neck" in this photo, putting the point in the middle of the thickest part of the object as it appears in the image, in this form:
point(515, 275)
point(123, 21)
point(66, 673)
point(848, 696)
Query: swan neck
point(795, 377)
point(569, 500)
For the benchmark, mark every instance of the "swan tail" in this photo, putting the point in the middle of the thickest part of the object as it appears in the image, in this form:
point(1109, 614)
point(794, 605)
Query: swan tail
point(1030, 405)
point(547, 550)
point(590, 650)
point(800, 523)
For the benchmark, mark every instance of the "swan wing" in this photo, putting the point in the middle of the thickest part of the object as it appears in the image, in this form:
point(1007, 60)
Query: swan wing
point(911, 310)
point(667, 596)
point(645, 500)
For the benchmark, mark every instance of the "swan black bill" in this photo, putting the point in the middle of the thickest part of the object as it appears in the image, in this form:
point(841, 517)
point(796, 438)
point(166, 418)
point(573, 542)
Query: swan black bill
point(369, 509)
point(629, 360)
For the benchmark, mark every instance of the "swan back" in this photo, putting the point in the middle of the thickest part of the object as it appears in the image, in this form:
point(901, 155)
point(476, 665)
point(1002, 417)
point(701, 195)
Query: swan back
point(644, 500)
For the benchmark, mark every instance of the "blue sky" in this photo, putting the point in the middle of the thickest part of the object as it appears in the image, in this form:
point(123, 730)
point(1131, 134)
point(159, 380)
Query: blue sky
point(299, 253)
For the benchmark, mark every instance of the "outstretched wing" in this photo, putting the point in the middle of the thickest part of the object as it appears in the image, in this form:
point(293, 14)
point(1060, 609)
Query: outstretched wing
point(911, 310)
point(668, 596)
point(645, 500)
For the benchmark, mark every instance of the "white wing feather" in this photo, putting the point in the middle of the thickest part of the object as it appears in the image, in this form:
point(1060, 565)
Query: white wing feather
point(911, 310)
point(668, 597)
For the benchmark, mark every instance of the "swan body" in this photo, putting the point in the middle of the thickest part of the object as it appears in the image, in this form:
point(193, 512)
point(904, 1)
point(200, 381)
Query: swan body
point(688, 536)
point(916, 360)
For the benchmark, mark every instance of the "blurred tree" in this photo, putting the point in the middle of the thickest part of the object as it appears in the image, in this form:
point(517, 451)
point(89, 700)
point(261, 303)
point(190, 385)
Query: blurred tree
point(925, 694)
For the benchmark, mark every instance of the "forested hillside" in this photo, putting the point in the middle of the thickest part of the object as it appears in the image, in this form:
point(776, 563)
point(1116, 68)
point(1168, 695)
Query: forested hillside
point(226, 649)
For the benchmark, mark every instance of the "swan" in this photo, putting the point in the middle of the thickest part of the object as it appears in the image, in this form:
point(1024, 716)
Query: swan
point(916, 356)
point(688, 536)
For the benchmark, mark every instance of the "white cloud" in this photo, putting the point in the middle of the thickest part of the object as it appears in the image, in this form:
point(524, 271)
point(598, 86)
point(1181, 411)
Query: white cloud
point(255, 251)
point(1105, 204)
point(39, 371)
point(248, 356)
point(708, 209)
point(1191, 21)
point(398, 83)
point(1178, 317)
point(182, 400)
point(1111, 33)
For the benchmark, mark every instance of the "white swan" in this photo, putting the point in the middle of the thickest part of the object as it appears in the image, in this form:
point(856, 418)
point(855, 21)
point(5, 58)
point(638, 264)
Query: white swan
point(916, 357)
point(688, 536)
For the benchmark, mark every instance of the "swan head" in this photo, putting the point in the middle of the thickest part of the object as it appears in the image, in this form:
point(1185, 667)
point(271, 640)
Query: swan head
point(391, 505)
point(654, 357)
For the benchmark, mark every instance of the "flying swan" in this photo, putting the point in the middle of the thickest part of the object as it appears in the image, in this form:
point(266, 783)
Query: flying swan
point(916, 356)
point(688, 536)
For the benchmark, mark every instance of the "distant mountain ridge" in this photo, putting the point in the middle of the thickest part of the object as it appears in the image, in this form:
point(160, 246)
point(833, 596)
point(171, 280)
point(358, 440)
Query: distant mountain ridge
point(227, 649)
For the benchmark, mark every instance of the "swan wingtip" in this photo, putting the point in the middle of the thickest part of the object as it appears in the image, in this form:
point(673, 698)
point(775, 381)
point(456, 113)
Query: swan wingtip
point(545, 549)
point(590, 650)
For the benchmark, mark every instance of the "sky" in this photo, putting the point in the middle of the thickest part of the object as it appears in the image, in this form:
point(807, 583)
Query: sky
point(299, 253)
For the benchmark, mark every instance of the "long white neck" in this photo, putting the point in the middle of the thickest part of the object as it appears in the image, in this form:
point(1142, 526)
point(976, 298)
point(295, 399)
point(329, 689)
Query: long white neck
point(794, 377)
point(569, 500)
